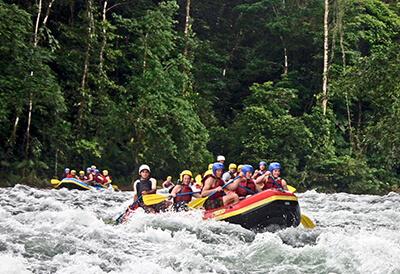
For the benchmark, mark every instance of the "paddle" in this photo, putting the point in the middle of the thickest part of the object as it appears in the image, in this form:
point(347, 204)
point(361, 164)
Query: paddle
point(307, 222)
point(121, 217)
point(152, 199)
point(55, 182)
point(200, 201)
point(291, 189)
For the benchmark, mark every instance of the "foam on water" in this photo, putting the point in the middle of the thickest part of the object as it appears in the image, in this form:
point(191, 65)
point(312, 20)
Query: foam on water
point(61, 231)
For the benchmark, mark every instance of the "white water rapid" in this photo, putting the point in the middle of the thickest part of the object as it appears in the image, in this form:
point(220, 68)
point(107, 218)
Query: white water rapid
point(62, 231)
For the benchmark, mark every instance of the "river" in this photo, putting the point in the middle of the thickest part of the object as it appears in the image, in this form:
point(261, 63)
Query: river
point(62, 231)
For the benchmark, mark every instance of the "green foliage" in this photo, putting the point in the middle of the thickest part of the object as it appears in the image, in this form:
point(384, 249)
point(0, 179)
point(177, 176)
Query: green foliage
point(267, 130)
point(126, 87)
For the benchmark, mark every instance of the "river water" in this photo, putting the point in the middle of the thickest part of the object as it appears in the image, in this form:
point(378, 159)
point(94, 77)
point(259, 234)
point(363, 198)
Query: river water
point(62, 231)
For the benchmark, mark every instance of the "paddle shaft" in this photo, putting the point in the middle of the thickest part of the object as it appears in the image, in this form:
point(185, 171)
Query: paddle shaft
point(187, 193)
point(118, 220)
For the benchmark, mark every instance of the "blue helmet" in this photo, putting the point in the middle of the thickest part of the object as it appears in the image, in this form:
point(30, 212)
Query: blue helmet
point(274, 165)
point(217, 166)
point(262, 163)
point(247, 168)
point(67, 170)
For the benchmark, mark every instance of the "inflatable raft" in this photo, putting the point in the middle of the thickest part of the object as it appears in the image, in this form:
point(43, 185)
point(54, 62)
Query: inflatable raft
point(72, 183)
point(270, 207)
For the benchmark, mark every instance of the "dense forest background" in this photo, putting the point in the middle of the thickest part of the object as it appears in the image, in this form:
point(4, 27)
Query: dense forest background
point(313, 84)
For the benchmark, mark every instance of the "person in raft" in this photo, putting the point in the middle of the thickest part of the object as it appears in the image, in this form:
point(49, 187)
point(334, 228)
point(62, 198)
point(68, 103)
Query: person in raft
point(230, 174)
point(246, 183)
point(104, 178)
point(271, 179)
point(67, 173)
point(168, 184)
point(263, 169)
point(82, 176)
point(147, 185)
point(214, 183)
point(221, 159)
point(181, 201)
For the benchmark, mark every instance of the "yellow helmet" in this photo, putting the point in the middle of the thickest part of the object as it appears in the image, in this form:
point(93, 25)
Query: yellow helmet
point(81, 172)
point(186, 172)
point(105, 172)
point(208, 172)
point(198, 180)
point(239, 168)
point(232, 166)
point(169, 178)
point(210, 167)
point(73, 171)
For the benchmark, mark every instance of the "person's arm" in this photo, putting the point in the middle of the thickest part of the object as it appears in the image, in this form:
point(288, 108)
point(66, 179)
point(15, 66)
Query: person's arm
point(175, 190)
point(235, 184)
point(135, 196)
point(153, 186)
point(207, 190)
point(284, 185)
point(256, 174)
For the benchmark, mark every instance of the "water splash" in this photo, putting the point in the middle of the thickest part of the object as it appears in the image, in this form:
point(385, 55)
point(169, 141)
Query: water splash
point(61, 231)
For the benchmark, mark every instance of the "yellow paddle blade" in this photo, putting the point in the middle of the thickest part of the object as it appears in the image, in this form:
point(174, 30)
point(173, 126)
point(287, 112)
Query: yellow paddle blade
point(54, 182)
point(291, 189)
point(307, 222)
point(152, 199)
point(115, 187)
point(197, 203)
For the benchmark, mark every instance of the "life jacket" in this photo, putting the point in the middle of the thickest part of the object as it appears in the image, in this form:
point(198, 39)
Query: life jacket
point(69, 175)
point(184, 198)
point(142, 185)
point(168, 184)
point(241, 191)
point(98, 178)
point(102, 179)
point(217, 182)
point(82, 178)
point(90, 178)
point(273, 183)
point(259, 173)
point(196, 187)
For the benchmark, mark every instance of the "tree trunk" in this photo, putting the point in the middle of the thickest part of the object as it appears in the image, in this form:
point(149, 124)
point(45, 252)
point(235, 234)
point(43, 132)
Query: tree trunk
point(145, 53)
point(86, 62)
point(286, 65)
point(326, 49)
point(104, 41)
point(30, 104)
point(186, 69)
point(187, 28)
point(13, 136)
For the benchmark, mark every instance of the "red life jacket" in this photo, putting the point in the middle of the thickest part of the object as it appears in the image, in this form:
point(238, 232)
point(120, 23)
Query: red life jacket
point(273, 183)
point(69, 175)
point(98, 178)
point(101, 179)
point(259, 173)
point(184, 198)
point(82, 178)
point(241, 191)
point(217, 182)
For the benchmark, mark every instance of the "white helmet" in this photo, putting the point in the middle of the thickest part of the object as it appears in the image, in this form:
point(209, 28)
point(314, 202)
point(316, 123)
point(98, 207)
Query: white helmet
point(220, 158)
point(143, 167)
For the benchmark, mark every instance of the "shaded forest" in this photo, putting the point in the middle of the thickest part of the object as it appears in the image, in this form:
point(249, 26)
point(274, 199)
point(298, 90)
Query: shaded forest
point(313, 84)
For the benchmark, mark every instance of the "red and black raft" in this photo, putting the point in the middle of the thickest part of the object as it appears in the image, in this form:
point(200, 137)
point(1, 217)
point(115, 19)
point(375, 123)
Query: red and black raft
point(268, 208)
